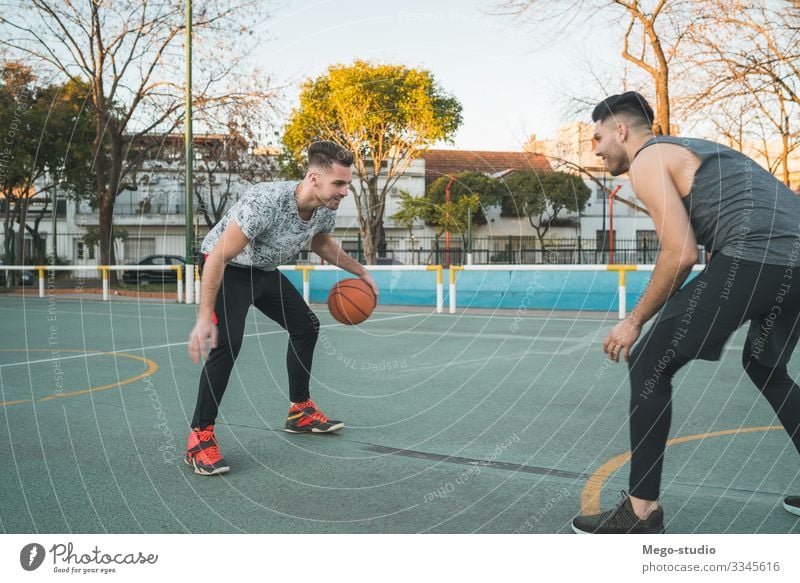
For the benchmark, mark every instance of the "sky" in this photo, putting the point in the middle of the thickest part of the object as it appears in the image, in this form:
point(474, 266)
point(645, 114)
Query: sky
point(508, 85)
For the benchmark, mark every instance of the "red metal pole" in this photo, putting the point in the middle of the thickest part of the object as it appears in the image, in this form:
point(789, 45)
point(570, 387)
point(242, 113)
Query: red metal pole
point(447, 232)
point(611, 220)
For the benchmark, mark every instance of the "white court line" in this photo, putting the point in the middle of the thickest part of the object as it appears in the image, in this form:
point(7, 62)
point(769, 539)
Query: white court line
point(507, 313)
point(582, 342)
point(490, 335)
point(157, 346)
point(136, 316)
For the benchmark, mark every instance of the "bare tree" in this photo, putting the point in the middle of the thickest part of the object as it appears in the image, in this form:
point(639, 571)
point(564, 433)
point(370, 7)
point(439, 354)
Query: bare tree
point(750, 68)
point(224, 159)
point(130, 53)
point(651, 39)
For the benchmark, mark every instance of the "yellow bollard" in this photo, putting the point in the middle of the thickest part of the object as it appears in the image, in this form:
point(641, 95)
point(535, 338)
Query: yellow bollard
point(621, 271)
point(306, 281)
point(179, 270)
point(40, 270)
point(104, 272)
point(453, 270)
point(439, 287)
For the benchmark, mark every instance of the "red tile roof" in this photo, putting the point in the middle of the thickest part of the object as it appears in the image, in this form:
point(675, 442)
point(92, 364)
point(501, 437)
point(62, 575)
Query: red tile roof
point(448, 162)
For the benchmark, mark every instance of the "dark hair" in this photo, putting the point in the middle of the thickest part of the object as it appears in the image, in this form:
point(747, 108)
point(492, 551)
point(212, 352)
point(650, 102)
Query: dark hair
point(630, 104)
point(325, 154)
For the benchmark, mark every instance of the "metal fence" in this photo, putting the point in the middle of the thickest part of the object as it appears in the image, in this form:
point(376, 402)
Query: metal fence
point(72, 248)
point(515, 250)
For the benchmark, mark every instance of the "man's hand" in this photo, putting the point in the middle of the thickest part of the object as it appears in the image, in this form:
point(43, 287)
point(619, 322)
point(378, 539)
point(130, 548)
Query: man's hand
point(202, 338)
point(621, 338)
point(367, 277)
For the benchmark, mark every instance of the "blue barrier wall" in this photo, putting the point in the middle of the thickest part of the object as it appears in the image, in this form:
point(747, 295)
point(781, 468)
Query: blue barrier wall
point(546, 290)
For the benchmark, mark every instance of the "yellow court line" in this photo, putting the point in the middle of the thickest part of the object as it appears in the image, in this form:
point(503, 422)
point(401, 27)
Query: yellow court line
point(590, 495)
point(151, 368)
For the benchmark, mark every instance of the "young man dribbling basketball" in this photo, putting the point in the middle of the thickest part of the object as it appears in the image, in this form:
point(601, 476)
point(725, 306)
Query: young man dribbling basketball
point(266, 228)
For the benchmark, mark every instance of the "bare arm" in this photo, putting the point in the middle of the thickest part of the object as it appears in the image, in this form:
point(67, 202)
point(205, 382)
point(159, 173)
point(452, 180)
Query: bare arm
point(323, 245)
point(655, 187)
point(232, 242)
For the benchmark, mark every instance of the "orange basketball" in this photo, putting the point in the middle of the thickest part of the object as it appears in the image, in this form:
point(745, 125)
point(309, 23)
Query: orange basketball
point(351, 301)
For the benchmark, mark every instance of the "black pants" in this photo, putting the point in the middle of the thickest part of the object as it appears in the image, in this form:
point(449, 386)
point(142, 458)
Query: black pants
point(695, 324)
point(277, 298)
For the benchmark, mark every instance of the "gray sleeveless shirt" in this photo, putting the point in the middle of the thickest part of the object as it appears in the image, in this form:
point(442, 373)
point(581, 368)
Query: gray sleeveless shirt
point(738, 208)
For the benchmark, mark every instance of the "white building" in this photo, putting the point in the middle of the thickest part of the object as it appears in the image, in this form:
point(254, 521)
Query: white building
point(573, 148)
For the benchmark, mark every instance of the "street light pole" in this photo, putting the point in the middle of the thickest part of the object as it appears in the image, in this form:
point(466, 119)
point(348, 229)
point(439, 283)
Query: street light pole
point(189, 161)
point(55, 209)
point(188, 134)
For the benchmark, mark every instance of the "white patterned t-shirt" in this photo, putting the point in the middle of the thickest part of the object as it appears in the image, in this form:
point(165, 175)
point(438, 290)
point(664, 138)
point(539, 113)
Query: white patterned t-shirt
point(267, 215)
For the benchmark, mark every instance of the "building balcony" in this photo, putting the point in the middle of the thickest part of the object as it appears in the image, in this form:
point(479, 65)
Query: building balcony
point(152, 214)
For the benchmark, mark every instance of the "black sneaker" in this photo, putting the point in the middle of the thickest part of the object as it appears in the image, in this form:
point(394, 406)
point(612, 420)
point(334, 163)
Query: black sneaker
point(792, 504)
point(305, 417)
point(621, 520)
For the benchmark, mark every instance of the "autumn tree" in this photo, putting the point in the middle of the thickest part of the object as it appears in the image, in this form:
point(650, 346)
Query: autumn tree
point(387, 115)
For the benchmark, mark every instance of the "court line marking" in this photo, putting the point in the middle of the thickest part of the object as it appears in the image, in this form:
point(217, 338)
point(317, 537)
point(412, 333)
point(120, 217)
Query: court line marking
point(590, 495)
point(151, 368)
point(424, 310)
point(145, 348)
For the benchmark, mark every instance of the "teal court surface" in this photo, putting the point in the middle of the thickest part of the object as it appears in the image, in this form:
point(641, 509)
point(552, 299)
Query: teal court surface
point(504, 421)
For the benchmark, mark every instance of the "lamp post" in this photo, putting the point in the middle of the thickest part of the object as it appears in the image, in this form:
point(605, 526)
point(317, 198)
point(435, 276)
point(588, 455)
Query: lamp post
point(55, 210)
point(189, 210)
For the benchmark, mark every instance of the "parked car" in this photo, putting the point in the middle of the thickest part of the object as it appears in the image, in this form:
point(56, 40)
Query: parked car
point(145, 276)
point(24, 277)
point(27, 277)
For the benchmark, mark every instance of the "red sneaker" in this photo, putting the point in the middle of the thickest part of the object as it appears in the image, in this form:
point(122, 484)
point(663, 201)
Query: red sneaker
point(202, 452)
point(306, 418)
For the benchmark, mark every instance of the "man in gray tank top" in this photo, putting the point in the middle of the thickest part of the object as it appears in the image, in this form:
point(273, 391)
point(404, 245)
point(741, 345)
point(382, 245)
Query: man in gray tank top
point(698, 193)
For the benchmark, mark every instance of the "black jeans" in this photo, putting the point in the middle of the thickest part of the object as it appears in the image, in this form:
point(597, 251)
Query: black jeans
point(278, 299)
point(695, 324)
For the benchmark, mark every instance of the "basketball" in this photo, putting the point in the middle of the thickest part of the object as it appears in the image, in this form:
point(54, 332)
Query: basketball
point(351, 301)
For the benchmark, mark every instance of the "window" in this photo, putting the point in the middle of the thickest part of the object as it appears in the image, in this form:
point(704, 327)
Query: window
point(137, 249)
point(647, 239)
point(601, 194)
point(646, 246)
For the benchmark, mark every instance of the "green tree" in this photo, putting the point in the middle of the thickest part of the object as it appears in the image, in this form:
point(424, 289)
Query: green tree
point(541, 196)
point(488, 190)
point(48, 142)
point(413, 209)
point(387, 115)
point(453, 217)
